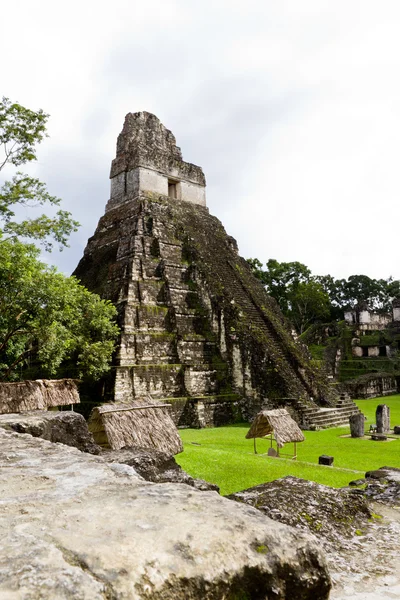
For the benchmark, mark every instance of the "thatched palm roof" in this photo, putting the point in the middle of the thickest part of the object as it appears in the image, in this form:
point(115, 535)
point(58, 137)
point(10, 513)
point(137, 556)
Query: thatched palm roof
point(145, 423)
point(279, 423)
point(37, 395)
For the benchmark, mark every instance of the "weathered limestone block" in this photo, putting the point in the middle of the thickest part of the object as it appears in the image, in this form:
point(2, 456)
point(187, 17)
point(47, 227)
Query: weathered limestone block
point(154, 347)
point(152, 317)
point(384, 485)
point(382, 418)
point(171, 253)
point(74, 526)
point(175, 274)
point(161, 380)
point(194, 351)
point(151, 291)
point(357, 425)
point(67, 427)
point(187, 324)
point(156, 466)
point(329, 513)
point(200, 381)
point(183, 412)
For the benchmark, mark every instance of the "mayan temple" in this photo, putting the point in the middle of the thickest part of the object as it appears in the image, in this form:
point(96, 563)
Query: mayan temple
point(198, 330)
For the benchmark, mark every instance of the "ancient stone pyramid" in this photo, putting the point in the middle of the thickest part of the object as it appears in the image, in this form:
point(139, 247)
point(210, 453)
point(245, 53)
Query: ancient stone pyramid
point(198, 330)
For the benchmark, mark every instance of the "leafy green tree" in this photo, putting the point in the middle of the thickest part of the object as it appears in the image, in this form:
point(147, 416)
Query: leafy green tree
point(280, 279)
point(48, 318)
point(305, 298)
point(309, 304)
point(21, 129)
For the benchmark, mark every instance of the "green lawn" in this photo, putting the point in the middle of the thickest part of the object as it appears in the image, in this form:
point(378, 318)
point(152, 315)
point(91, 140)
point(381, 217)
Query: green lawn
point(223, 456)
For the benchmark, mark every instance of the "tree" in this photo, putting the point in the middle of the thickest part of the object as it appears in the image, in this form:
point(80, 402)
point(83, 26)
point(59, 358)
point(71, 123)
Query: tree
point(280, 279)
point(309, 304)
point(305, 298)
point(21, 129)
point(48, 318)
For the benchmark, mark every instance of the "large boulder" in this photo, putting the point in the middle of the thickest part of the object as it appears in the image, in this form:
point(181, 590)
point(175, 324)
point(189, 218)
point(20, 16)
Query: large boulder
point(156, 466)
point(74, 526)
point(67, 427)
point(332, 514)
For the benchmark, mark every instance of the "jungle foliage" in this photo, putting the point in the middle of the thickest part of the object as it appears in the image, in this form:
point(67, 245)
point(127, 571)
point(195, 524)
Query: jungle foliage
point(306, 299)
point(46, 318)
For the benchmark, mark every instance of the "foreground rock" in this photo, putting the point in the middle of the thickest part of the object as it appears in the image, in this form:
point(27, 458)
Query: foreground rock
point(67, 427)
point(362, 547)
point(330, 513)
point(156, 466)
point(74, 526)
point(383, 485)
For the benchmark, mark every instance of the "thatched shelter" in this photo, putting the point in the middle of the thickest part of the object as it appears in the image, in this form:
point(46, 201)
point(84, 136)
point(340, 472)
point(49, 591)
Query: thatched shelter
point(37, 395)
point(145, 423)
point(277, 424)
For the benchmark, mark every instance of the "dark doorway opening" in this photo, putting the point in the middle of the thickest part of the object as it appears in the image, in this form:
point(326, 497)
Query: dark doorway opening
point(172, 189)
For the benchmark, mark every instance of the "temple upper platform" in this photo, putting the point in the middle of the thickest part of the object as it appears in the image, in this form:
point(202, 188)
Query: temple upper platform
point(148, 161)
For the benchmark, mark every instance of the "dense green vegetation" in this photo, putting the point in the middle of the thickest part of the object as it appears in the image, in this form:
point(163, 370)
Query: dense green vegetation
point(21, 130)
point(46, 318)
point(306, 299)
point(223, 455)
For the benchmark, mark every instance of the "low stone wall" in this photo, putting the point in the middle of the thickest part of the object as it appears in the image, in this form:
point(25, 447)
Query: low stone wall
point(372, 386)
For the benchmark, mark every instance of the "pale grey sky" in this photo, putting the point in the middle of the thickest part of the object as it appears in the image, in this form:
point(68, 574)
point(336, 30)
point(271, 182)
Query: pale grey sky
point(291, 107)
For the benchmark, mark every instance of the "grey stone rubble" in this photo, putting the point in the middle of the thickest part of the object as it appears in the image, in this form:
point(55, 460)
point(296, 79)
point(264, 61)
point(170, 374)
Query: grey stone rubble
point(66, 427)
point(70, 428)
point(369, 568)
point(383, 485)
point(361, 541)
point(74, 526)
point(331, 514)
point(156, 466)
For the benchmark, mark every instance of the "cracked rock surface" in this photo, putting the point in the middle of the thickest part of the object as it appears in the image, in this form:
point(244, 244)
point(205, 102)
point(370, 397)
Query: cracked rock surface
point(74, 526)
point(360, 538)
point(66, 427)
point(156, 466)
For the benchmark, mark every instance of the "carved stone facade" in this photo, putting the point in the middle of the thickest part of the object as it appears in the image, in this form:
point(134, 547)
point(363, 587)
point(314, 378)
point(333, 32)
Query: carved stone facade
point(198, 330)
point(148, 160)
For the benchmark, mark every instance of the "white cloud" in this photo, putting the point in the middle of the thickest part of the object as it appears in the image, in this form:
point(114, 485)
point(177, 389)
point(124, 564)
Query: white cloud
point(292, 109)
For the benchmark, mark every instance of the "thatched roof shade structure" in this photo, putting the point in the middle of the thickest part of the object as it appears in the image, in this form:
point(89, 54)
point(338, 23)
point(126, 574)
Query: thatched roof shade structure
point(37, 395)
point(145, 423)
point(277, 423)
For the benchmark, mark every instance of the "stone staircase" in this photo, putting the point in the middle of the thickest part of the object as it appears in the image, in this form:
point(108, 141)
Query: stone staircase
point(258, 320)
point(314, 417)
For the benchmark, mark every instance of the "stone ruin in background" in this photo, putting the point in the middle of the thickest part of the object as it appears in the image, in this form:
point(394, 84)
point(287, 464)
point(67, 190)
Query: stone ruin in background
point(198, 330)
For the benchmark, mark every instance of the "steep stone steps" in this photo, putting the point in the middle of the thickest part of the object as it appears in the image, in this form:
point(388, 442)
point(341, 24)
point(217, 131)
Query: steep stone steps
point(257, 320)
point(319, 418)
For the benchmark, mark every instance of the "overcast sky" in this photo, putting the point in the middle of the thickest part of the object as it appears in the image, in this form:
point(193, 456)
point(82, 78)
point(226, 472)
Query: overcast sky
point(292, 108)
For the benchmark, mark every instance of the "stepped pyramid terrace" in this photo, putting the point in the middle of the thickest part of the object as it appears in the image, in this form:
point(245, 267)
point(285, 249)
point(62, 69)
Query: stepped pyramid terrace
point(198, 331)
